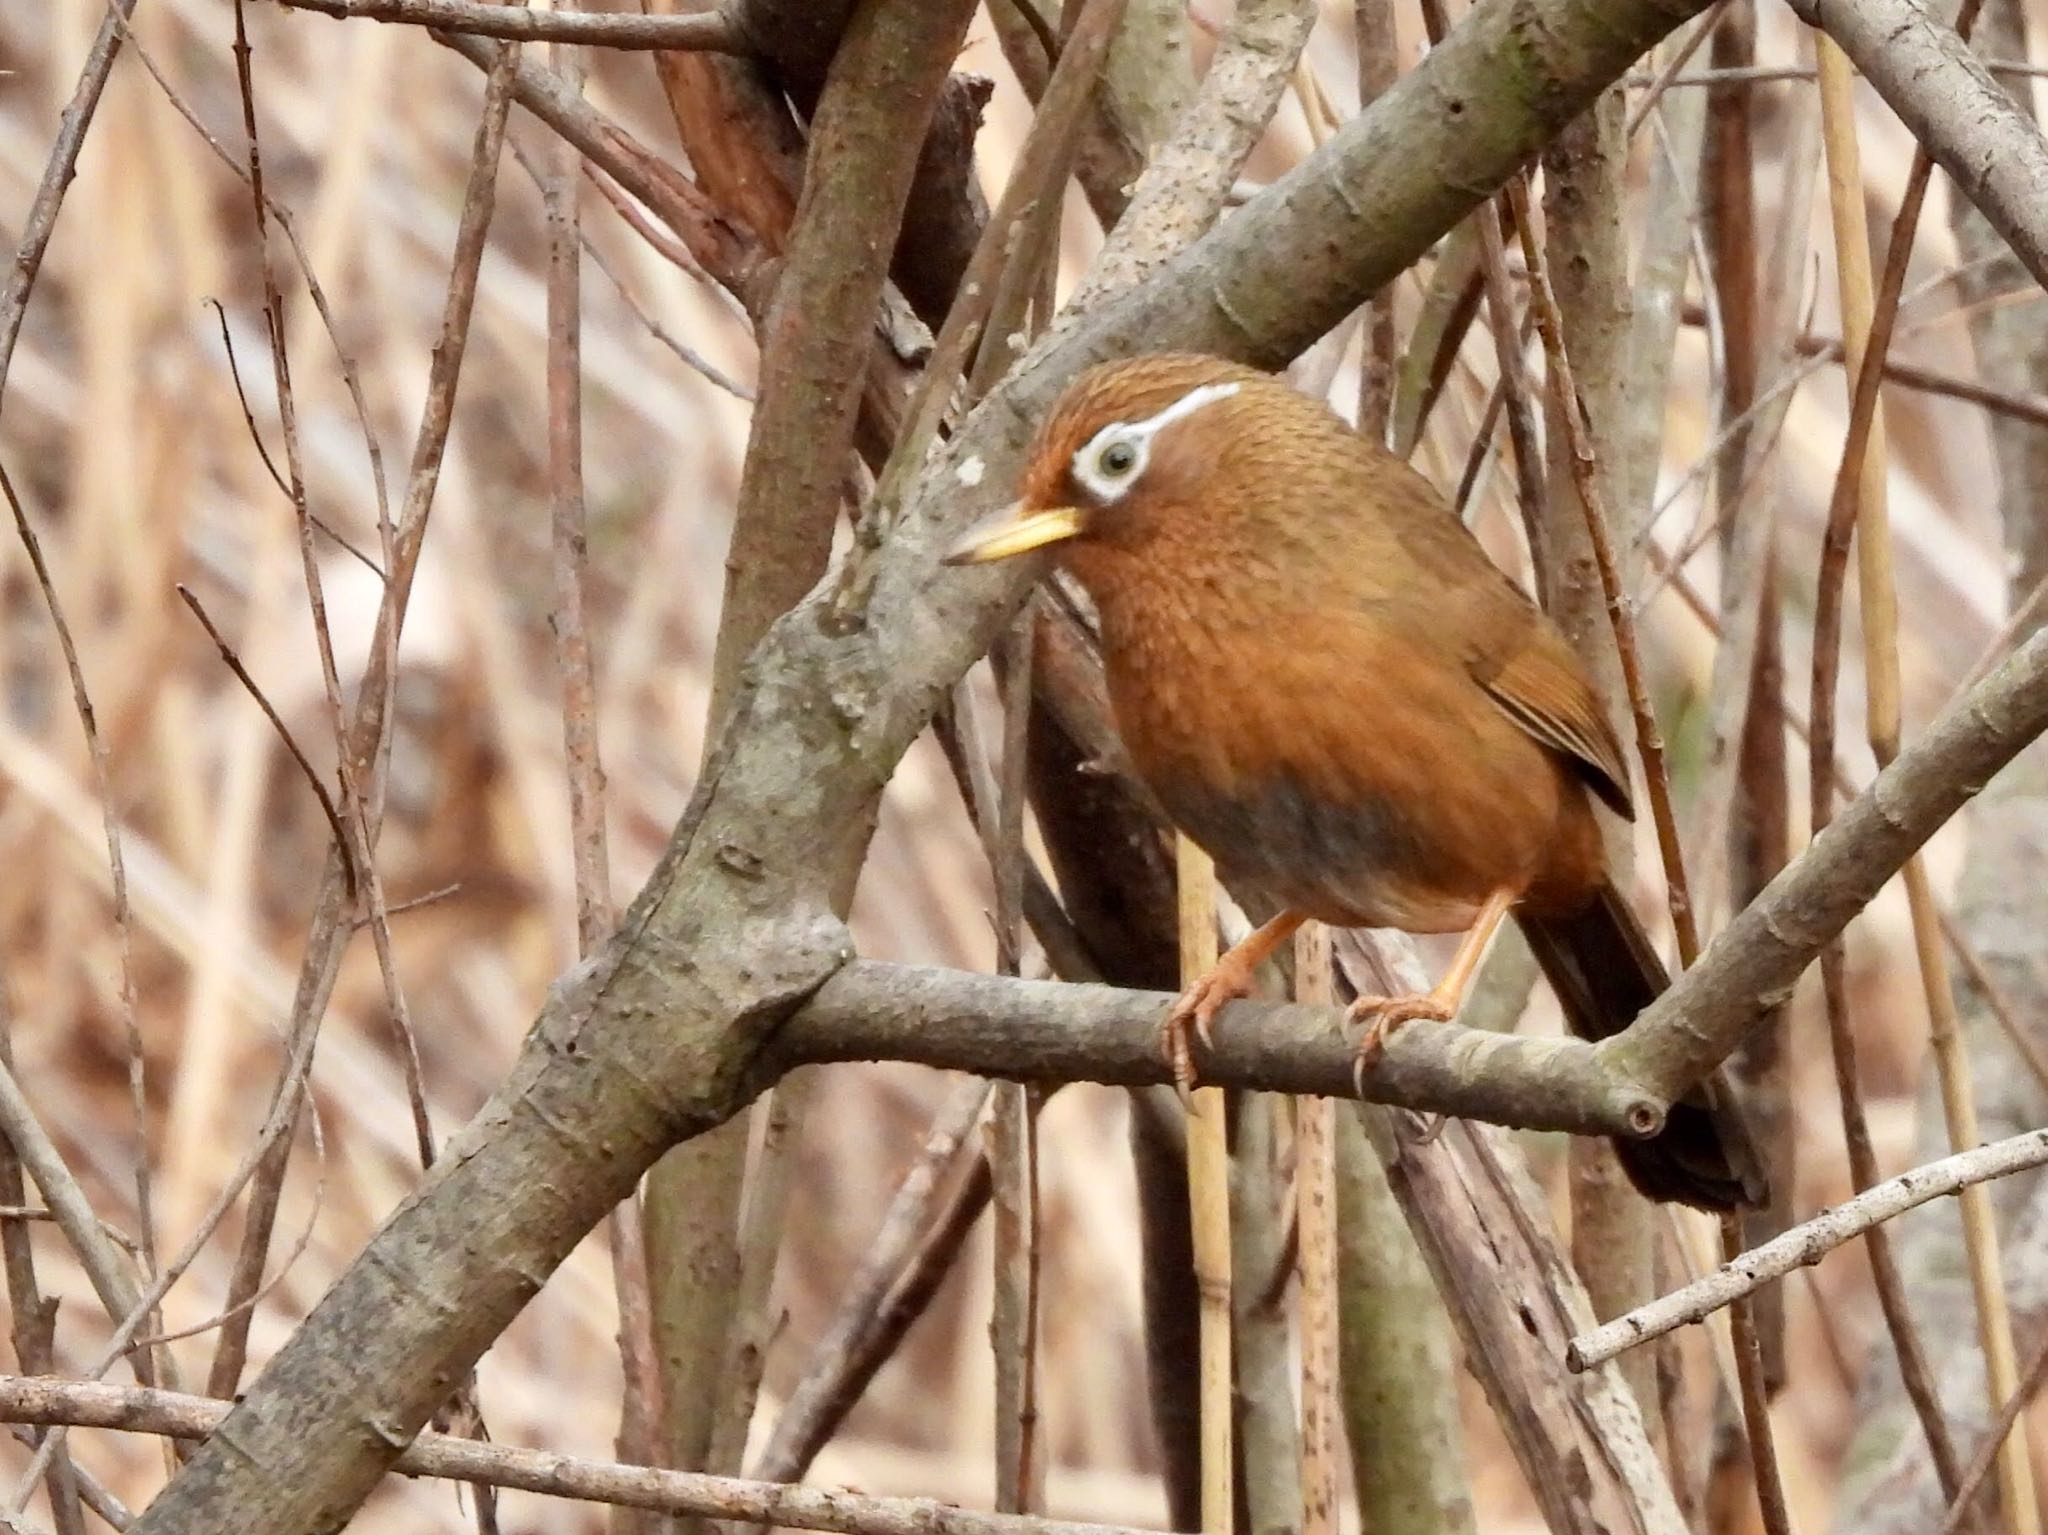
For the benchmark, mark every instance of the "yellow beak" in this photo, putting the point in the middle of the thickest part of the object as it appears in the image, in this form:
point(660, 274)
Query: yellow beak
point(1013, 531)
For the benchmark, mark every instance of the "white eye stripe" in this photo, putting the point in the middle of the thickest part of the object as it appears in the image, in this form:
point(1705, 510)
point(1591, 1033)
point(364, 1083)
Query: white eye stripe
point(1107, 484)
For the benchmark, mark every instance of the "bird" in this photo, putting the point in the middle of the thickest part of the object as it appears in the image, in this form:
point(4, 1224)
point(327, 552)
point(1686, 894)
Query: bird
point(1328, 685)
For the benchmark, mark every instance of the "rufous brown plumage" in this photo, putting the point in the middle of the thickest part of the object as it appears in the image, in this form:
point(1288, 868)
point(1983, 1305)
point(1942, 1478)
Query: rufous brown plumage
point(1332, 689)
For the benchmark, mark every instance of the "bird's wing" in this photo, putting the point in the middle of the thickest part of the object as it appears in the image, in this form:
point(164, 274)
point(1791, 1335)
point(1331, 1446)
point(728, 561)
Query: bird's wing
point(1539, 686)
point(1509, 646)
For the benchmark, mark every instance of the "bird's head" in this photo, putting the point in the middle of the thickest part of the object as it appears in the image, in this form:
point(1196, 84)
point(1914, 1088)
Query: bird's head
point(1138, 457)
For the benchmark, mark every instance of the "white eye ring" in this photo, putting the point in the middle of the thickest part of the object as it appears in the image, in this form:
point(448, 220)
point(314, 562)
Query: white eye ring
point(1114, 459)
point(1112, 463)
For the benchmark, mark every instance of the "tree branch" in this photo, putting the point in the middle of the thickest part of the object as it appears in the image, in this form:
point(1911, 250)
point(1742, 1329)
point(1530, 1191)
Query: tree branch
point(704, 31)
point(1754, 964)
point(87, 1404)
point(1806, 1244)
point(1965, 119)
point(1055, 1031)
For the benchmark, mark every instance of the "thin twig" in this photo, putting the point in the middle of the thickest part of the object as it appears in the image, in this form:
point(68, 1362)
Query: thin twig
point(1806, 1244)
point(174, 1413)
point(1512, 391)
point(358, 857)
point(283, 1114)
point(227, 342)
point(34, 1317)
point(234, 664)
point(1620, 611)
point(843, 1359)
point(58, 172)
point(705, 31)
point(1994, 1440)
point(368, 740)
point(351, 376)
point(124, 911)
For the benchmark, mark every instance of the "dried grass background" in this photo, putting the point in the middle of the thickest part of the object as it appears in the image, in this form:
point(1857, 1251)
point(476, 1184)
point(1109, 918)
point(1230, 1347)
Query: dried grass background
point(123, 430)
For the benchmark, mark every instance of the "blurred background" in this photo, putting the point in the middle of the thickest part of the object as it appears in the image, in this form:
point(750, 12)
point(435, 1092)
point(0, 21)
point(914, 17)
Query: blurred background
point(123, 432)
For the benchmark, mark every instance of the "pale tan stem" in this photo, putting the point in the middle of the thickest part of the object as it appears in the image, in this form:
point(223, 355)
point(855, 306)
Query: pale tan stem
point(1881, 663)
point(1209, 1194)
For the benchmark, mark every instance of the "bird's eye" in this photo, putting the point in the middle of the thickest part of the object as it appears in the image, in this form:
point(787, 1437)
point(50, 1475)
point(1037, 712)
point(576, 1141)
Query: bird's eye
point(1117, 459)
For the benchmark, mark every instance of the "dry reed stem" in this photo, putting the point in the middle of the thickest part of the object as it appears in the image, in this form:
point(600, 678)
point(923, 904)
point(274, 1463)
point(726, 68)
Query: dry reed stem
point(1315, 1196)
point(1859, 504)
point(1208, 1204)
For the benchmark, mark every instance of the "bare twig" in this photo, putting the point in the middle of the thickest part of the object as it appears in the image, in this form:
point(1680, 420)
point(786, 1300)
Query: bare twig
point(1994, 1442)
point(34, 1316)
point(359, 859)
point(368, 738)
point(233, 662)
point(1807, 1243)
point(124, 911)
point(845, 1357)
point(562, 1476)
point(709, 31)
point(1620, 611)
point(58, 171)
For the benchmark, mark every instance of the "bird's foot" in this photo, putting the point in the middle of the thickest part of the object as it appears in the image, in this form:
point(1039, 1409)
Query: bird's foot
point(1383, 1015)
point(1194, 1012)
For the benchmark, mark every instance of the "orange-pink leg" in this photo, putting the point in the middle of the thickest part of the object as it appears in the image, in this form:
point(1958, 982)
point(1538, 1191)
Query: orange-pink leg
point(1231, 978)
point(1383, 1015)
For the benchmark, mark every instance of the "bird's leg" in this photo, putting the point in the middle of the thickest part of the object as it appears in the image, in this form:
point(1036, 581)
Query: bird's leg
point(1383, 1015)
point(1228, 979)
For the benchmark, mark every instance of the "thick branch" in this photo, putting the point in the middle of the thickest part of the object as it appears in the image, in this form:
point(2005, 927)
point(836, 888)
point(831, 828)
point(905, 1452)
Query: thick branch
point(866, 135)
point(1052, 1031)
point(1971, 125)
point(1754, 964)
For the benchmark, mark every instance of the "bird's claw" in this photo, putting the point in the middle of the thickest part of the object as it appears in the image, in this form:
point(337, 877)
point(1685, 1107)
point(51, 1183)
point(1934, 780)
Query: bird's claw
point(1382, 1015)
point(1193, 1017)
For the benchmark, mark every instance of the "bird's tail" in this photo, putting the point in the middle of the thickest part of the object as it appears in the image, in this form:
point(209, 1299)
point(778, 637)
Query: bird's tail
point(1600, 963)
